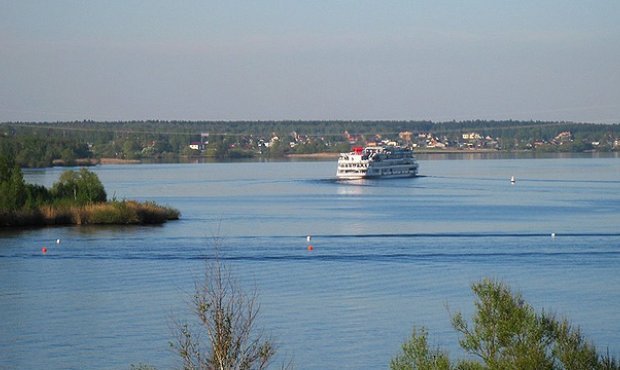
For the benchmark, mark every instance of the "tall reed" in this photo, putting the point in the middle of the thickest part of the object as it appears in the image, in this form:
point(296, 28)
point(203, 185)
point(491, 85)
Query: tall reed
point(104, 213)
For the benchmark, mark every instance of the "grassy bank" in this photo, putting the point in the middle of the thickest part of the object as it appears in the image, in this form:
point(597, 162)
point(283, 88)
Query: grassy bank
point(105, 213)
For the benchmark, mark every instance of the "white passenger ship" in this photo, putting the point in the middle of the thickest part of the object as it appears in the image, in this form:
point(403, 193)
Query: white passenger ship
point(377, 162)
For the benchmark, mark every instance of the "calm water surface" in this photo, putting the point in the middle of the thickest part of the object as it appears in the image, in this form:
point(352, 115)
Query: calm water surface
point(387, 255)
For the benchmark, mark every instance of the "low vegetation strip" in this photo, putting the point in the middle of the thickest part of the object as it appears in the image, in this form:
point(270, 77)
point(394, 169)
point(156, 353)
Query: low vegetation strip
point(125, 212)
point(78, 198)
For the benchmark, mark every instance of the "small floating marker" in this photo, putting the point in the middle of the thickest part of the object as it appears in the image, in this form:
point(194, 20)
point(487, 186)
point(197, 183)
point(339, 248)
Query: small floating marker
point(57, 241)
point(310, 248)
point(43, 250)
point(512, 180)
point(308, 238)
point(553, 235)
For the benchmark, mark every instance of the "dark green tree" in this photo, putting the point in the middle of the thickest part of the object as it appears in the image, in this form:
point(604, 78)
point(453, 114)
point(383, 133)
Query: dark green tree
point(36, 195)
point(81, 187)
point(12, 185)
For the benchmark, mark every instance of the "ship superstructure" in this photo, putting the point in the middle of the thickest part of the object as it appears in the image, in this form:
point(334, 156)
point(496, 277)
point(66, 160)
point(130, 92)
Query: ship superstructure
point(377, 162)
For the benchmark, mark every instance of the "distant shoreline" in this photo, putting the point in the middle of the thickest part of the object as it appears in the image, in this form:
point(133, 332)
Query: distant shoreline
point(118, 161)
point(329, 156)
point(95, 161)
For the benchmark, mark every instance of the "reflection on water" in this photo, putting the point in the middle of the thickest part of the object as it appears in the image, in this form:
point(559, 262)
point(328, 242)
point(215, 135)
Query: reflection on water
point(351, 187)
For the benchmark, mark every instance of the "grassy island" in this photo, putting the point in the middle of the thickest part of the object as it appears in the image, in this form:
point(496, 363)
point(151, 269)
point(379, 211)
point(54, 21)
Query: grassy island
point(78, 198)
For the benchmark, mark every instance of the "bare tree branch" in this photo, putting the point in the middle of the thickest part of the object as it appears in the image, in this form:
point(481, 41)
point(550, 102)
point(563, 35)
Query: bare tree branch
point(227, 316)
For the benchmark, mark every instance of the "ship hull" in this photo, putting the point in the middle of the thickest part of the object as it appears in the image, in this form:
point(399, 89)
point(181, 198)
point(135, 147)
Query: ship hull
point(365, 176)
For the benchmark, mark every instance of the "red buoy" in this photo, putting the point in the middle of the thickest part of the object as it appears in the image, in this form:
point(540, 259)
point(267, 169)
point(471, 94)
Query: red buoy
point(310, 248)
point(44, 250)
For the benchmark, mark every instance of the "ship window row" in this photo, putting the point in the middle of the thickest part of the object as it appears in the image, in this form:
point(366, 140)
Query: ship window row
point(350, 171)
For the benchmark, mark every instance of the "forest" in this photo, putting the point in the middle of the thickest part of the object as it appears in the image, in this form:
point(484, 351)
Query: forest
point(40, 144)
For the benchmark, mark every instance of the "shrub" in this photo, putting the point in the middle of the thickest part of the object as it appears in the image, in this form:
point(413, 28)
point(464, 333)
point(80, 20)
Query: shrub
point(83, 187)
point(36, 195)
point(507, 333)
point(227, 318)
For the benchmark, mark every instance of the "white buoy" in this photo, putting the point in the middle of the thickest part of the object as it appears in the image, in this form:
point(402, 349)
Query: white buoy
point(512, 180)
point(553, 235)
point(308, 238)
point(57, 241)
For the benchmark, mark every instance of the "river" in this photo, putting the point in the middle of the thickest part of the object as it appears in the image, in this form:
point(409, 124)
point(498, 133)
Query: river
point(387, 255)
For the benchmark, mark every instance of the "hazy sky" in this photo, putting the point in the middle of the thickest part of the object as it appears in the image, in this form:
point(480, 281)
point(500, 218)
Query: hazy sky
point(264, 60)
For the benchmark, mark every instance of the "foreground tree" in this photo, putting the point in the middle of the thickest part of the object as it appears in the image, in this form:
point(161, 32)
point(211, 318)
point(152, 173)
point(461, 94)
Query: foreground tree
point(227, 317)
point(416, 354)
point(507, 333)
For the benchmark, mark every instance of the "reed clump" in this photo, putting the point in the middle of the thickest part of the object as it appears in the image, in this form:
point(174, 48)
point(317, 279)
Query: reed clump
point(58, 214)
point(126, 212)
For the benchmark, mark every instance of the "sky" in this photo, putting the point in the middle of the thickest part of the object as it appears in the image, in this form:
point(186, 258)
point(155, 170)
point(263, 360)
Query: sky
point(310, 60)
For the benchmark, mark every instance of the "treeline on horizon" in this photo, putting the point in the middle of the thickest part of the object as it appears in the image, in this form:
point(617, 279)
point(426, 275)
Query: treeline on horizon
point(311, 127)
point(40, 144)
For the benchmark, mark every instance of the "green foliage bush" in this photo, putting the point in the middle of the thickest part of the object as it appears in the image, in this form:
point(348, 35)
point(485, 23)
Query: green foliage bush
point(83, 187)
point(507, 333)
point(417, 355)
